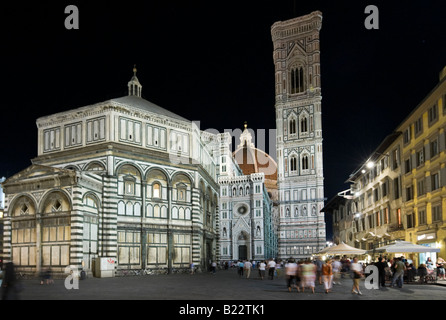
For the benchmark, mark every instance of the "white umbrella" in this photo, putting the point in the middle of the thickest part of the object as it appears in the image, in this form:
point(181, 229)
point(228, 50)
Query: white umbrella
point(341, 248)
point(406, 247)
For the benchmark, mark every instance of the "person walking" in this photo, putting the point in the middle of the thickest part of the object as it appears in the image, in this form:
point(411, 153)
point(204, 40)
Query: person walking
point(262, 269)
point(356, 268)
point(299, 275)
point(271, 268)
point(9, 283)
point(399, 273)
point(440, 269)
point(319, 264)
point(327, 275)
point(248, 267)
point(240, 268)
point(336, 265)
point(381, 265)
point(308, 275)
point(290, 273)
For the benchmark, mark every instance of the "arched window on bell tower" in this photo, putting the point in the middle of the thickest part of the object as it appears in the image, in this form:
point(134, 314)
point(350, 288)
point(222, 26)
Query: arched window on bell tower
point(292, 126)
point(297, 80)
point(303, 124)
point(293, 164)
point(305, 162)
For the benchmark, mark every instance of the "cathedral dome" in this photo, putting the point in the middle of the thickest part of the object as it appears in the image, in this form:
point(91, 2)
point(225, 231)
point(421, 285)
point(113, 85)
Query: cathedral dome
point(253, 160)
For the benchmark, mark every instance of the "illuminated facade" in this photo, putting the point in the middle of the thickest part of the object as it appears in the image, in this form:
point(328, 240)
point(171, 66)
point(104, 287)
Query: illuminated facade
point(400, 191)
point(299, 135)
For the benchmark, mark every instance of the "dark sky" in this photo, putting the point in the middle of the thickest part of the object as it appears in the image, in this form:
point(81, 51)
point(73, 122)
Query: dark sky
point(212, 61)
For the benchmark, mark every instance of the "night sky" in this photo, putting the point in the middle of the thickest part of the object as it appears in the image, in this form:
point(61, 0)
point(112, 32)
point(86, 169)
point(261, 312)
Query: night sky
point(212, 62)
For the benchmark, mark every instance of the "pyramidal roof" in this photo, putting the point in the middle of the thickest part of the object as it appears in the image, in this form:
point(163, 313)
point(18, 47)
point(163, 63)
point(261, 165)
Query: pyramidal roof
point(142, 104)
point(132, 100)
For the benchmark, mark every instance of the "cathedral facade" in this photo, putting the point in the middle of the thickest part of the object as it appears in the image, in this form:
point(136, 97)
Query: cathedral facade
point(248, 206)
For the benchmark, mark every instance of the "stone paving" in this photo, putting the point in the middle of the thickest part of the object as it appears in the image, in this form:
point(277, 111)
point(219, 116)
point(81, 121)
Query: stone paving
point(224, 285)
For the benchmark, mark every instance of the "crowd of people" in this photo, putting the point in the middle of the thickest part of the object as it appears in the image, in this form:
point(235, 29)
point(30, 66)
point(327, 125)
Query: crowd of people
point(303, 275)
point(399, 270)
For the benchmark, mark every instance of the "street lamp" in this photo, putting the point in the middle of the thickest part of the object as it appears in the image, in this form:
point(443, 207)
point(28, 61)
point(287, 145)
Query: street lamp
point(370, 164)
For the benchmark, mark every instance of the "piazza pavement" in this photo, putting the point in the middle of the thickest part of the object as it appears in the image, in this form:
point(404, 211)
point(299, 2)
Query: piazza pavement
point(223, 285)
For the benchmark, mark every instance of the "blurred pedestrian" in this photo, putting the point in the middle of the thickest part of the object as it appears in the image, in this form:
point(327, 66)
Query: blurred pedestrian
point(336, 265)
point(262, 269)
point(247, 266)
point(9, 283)
point(308, 275)
point(214, 267)
point(271, 268)
point(299, 275)
point(327, 275)
point(381, 265)
point(48, 276)
point(319, 264)
point(422, 273)
point(240, 265)
point(357, 274)
point(440, 269)
point(399, 273)
point(290, 274)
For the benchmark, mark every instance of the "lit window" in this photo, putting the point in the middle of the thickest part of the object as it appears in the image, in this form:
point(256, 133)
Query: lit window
point(156, 190)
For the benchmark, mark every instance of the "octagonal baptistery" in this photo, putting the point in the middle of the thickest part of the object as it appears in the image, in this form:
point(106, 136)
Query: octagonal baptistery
point(123, 180)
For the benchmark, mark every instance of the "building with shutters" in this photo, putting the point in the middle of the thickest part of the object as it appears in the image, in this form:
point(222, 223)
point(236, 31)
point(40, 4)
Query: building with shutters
point(399, 192)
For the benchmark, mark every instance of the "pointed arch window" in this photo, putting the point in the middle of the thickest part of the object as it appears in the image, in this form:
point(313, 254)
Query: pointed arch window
point(304, 124)
point(297, 80)
point(293, 126)
point(305, 162)
point(293, 164)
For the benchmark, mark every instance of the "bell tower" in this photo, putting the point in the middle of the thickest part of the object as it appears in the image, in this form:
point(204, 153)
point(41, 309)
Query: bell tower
point(299, 135)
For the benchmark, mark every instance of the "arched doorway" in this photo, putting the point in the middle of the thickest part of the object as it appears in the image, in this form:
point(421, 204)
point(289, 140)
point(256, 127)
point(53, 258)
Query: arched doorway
point(243, 246)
